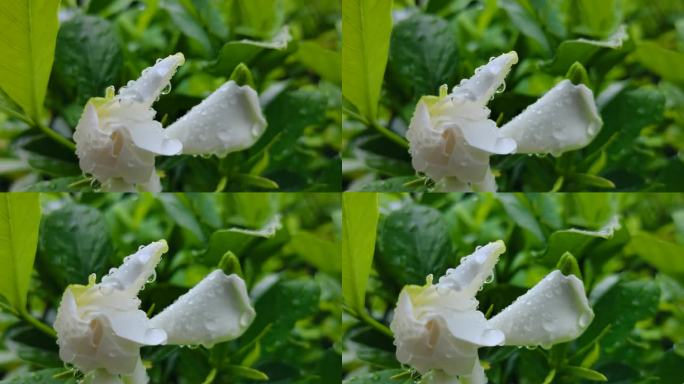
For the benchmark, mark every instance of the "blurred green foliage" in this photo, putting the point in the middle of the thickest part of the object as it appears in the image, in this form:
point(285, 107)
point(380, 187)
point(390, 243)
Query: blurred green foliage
point(630, 252)
point(296, 290)
point(633, 51)
point(102, 43)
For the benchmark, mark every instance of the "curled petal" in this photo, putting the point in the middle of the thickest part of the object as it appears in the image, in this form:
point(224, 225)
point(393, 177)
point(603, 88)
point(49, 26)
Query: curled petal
point(215, 310)
point(136, 269)
point(229, 120)
point(556, 310)
point(487, 79)
point(474, 269)
point(152, 81)
point(564, 119)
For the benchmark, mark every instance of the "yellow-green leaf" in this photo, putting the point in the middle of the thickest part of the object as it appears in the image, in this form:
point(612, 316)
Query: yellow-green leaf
point(19, 223)
point(27, 47)
point(359, 221)
point(366, 27)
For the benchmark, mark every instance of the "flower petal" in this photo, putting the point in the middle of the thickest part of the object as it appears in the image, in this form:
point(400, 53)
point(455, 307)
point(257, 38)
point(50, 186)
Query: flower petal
point(564, 119)
point(151, 137)
point(152, 81)
point(101, 376)
point(229, 120)
point(487, 79)
point(484, 135)
point(488, 184)
point(139, 376)
point(556, 310)
point(136, 269)
point(134, 326)
point(473, 270)
point(215, 310)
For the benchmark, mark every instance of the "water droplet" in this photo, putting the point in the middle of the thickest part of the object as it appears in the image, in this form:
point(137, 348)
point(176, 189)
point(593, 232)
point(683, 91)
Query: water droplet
point(166, 89)
point(501, 88)
point(152, 277)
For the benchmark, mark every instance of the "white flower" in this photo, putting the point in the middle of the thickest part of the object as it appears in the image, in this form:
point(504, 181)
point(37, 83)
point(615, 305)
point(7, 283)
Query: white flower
point(438, 328)
point(229, 120)
point(451, 136)
point(100, 327)
point(117, 138)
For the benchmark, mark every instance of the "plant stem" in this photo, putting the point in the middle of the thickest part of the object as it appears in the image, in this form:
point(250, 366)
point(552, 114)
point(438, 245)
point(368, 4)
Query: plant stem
point(375, 324)
point(390, 135)
point(56, 136)
point(39, 325)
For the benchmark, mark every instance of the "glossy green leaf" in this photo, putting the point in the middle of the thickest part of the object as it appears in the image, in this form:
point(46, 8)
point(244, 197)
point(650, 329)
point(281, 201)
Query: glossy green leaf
point(285, 303)
point(178, 209)
point(359, 228)
point(390, 376)
point(595, 18)
point(576, 241)
point(519, 209)
point(666, 63)
point(414, 242)
point(45, 376)
point(321, 253)
point(29, 32)
point(582, 51)
point(525, 21)
point(620, 308)
point(585, 373)
point(423, 54)
point(88, 75)
point(188, 23)
point(324, 62)
point(666, 256)
point(74, 242)
point(259, 18)
point(366, 27)
point(19, 223)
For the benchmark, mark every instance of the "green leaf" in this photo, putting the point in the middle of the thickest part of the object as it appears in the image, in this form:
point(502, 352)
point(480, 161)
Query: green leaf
point(89, 74)
point(29, 32)
point(414, 242)
point(281, 307)
point(576, 241)
point(620, 308)
point(246, 372)
point(8, 106)
point(584, 373)
point(525, 21)
point(45, 376)
point(582, 51)
point(359, 222)
point(74, 242)
point(19, 223)
point(243, 51)
point(324, 62)
point(598, 19)
point(176, 207)
point(188, 23)
point(242, 76)
point(395, 184)
point(624, 117)
point(667, 257)
point(520, 210)
point(666, 63)
point(288, 115)
point(366, 27)
point(259, 18)
point(423, 54)
point(323, 254)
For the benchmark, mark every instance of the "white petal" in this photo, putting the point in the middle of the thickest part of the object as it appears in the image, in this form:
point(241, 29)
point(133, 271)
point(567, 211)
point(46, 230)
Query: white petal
point(477, 376)
point(152, 81)
point(101, 376)
point(216, 309)
point(488, 184)
point(564, 119)
point(556, 310)
point(484, 135)
point(439, 377)
point(134, 326)
point(136, 269)
point(487, 79)
point(229, 120)
point(151, 137)
point(139, 376)
point(473, 270)
point(452, 184)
